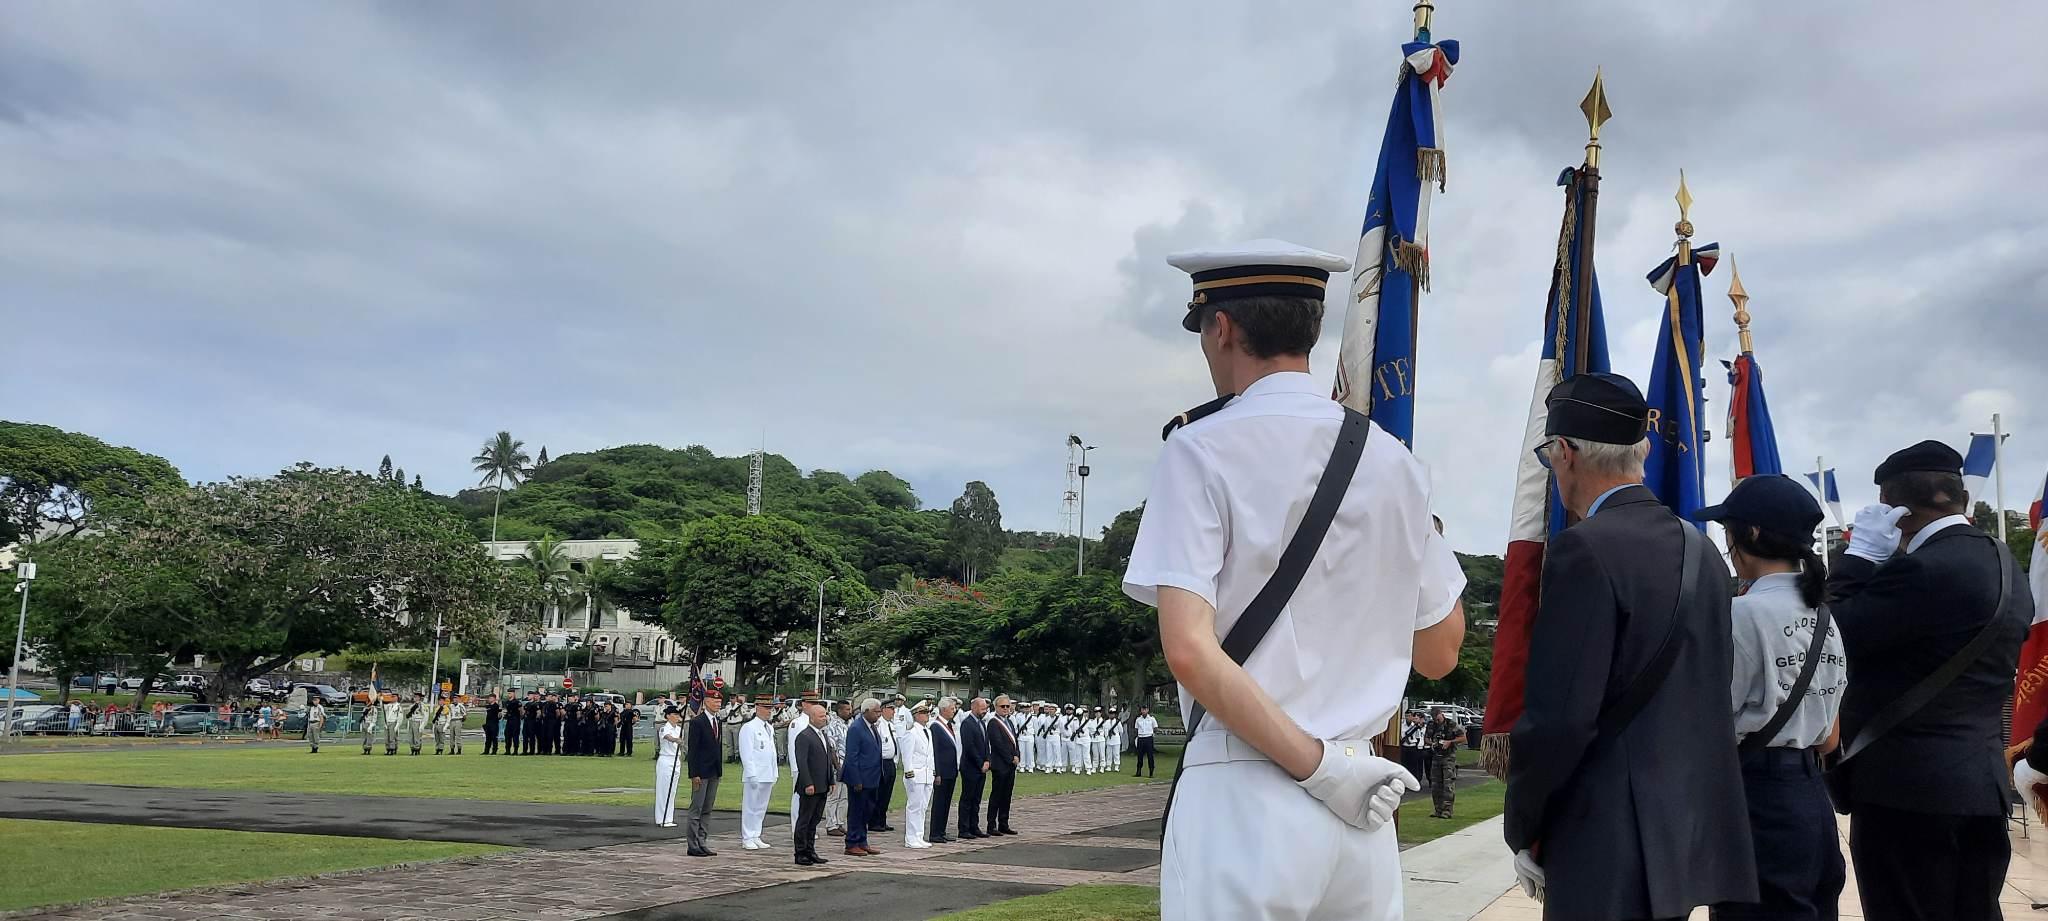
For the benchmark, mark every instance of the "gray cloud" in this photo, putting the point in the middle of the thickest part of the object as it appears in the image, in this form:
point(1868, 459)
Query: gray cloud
point(931, 236)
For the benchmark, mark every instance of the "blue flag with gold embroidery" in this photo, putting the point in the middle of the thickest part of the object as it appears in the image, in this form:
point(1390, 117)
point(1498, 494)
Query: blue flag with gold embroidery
point(1676, 469)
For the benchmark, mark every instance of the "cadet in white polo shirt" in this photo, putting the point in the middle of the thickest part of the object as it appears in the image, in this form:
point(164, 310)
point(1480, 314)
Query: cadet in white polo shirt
point(1283, 812)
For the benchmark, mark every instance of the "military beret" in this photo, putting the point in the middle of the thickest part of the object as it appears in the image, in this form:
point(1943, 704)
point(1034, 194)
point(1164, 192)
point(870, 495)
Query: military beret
point(1597, 407)
point(1925, 457)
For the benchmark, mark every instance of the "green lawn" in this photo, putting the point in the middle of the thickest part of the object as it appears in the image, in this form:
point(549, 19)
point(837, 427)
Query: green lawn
point(56, 862)
point(1080, 903)
point(1475, 804)
point(341, 768)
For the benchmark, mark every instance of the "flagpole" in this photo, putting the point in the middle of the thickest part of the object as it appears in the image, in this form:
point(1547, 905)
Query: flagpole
point(1597, 113)
point(1998, 474)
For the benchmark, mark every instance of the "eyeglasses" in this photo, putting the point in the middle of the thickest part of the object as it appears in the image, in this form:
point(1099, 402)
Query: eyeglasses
point(1542, 450)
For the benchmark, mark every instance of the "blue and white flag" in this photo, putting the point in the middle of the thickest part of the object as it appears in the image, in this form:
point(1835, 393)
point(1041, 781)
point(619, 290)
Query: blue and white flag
point(1376, 362)
point(1824, 483)
point(1676, 469)
point(1978, 466)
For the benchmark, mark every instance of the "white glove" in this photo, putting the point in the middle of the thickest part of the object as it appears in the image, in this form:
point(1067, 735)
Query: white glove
point(1361, 788)
point(2025, 779)
point(1875, 534)
point(1530, 875)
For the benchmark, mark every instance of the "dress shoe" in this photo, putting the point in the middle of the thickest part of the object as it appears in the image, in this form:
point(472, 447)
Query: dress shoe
point(803, 861)
point(942, 839)
point(918, 846)
point(698, 852)
point(881, 828)
point(971, 835)
point(836, 832)
point(871, 851)
point(856, 852)
point(1004, 831)
point(819, 860)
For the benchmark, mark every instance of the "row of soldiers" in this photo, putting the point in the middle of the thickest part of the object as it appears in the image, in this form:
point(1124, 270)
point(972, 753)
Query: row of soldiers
point(412, 717)
point(1068, 738)
point(551, 725)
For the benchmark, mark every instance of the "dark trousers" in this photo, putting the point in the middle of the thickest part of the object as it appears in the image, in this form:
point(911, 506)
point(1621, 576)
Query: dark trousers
point(626, 743)
point(810, 810)
point(1799, 870)
point(942, 804)
point(1413, 758)
point(884, 793)
point(970, 801)
point(490, 738)
point(999, 799)
point(858, 802)
point(1146, 762)
point(1916, 866)
point(529, 739)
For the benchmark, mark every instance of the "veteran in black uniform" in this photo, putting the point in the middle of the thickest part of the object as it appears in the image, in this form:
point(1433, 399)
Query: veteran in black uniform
point(1927, 798)
point(1617, 817)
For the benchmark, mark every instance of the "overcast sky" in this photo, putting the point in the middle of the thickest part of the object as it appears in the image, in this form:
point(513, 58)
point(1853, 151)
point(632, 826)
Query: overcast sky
point(930, 237)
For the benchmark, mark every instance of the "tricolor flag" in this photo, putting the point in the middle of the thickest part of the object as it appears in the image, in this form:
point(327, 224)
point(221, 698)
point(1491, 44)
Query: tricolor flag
point(1978, 466)
point(1754, 442)
point(1676, 468)
point(1376, 362)
point(1824, 483)
point(1538, 513)
point(2030, 692)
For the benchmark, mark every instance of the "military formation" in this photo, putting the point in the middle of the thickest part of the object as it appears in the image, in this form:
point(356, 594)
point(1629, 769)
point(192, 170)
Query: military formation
point(536, 724)
point(394, 718)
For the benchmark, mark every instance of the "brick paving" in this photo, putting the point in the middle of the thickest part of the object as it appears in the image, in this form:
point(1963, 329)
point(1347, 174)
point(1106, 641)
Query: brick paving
point(573, 885)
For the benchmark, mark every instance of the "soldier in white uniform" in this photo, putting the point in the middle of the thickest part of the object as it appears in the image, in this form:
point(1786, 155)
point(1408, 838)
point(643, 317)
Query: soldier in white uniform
point(1051, 756)
point(1113, 742)
point(758, 772)
point(1283, 812)
point(1041, 718)
point(1027, 754)
point(920, 770)
point(1073, 730)
point(668, 760)
point(1098, 733)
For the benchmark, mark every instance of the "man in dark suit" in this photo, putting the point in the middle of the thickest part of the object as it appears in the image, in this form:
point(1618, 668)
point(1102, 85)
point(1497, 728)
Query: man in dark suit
point(861, 771)
point(1002, 759)
point(1928, 797)
point(813, 782)
point(946, 766)
point(1646, 820)
point(974, 766)
point(705, 769)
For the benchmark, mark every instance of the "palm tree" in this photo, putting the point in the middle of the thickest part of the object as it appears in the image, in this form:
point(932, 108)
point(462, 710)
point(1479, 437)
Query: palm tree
point(502, 460)
point(550, 565)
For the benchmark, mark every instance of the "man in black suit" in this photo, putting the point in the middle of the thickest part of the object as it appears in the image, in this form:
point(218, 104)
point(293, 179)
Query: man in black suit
point(705, 768)
point(1928, 797)
point(1643, 820)
point(974, 766)
point(813, 782)
point(946, 766)
point(1002, 759)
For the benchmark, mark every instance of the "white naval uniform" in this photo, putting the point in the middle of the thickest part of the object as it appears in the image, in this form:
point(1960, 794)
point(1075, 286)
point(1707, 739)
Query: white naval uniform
point(1074, 731)
point(1245, 840)
point(1037, 741)
point(1113, 745)
point(757, 777)
point(1095, 731)
point(668, 760)
point(1027, 755)
point(1050, 752)
point(914, 756)
point(797, 726)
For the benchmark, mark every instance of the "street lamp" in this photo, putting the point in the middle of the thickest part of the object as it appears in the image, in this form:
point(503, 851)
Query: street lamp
point(1081, 538)
point(24, 573)
point(818, 644)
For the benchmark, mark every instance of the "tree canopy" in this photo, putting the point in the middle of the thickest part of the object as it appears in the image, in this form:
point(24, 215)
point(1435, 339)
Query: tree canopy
point(53, 479)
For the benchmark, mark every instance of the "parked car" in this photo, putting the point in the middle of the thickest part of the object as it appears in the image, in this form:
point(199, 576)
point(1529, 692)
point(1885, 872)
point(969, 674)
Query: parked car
point(259, 687)
point(105, 684)
point(327, 693)
point(190, 717)
point(55, 722)
point(26, 714)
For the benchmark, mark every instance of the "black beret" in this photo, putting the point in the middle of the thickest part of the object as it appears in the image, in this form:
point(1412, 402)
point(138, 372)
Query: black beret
point(1927, 456)
point(1598, 407)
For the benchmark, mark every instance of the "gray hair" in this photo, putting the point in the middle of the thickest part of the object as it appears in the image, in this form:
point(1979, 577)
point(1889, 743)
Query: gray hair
point(946, 703)
point(869, 703)
point(1002, 699)
point(1625, 461)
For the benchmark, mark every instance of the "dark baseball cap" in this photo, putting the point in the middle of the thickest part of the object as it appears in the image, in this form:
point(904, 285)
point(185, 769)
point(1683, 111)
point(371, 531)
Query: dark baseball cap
point(1775, 503)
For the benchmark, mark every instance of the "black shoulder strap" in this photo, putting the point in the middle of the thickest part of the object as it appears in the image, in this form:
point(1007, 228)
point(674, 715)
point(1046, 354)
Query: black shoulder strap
point(1618, 714)
point(1920, 695)
point(1761, 739)
point(1264, 610)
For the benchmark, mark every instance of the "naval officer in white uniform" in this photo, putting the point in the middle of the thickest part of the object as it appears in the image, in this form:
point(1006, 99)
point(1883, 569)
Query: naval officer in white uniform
point(1283, 812)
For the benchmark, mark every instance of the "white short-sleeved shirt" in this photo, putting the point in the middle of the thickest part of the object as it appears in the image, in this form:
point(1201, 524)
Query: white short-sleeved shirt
point(1226, 496)
point(1772, 629)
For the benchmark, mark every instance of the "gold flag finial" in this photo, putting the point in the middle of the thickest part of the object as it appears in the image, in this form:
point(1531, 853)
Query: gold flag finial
point(1597, 114)
point(1423, 9)
point(1684, 199)
point(1740, 296)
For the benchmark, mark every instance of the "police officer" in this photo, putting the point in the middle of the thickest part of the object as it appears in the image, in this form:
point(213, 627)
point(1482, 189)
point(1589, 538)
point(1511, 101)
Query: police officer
point(1273, 768)
point(1624, 796)
point(494, 716)
point(1919, 589)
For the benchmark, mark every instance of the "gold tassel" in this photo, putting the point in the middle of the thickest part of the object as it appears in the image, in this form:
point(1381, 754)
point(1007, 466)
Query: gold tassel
point(1410, 257)
point(1493, 754)
point(1429, 165)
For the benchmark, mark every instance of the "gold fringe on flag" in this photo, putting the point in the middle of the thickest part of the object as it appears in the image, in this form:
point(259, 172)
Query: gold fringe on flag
point(1410, 257)
point(1429, 165)
point(1493, 754)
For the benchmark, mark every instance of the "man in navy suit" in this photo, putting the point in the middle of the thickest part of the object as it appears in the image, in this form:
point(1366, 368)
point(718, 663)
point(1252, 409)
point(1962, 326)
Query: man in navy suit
point(973, 767)
point(862, 773)
point(946, 765)
point(1002, 759)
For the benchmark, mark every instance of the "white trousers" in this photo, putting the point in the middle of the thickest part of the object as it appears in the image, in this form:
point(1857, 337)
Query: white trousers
point(1052, 753)
point(1114, 750)
point(1245, 841)
point(666, 771)
point(1026, 755)
point(917, 806)
point(753, 808)
point(835, 807)
point(1094, 755)
point(1077, 755)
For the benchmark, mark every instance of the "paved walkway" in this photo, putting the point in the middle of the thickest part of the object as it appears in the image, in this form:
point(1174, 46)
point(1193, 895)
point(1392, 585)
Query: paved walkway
point(656, 881)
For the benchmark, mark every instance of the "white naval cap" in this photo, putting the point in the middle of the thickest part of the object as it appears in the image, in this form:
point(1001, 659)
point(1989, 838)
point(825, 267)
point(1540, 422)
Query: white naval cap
point(1258, 268)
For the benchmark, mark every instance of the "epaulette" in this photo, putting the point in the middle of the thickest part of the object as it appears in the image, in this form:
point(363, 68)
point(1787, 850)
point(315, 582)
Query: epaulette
point(1198, 412)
